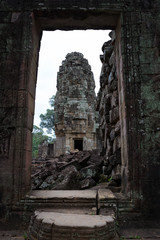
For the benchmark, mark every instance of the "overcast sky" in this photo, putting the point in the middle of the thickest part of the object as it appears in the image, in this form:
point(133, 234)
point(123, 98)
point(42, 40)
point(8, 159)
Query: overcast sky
point(54, 47)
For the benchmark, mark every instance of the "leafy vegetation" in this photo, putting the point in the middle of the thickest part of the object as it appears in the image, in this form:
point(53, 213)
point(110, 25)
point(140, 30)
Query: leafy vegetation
point(25, 236)
point(47, 123)
point(130, 237)
point(38, 137)
point(47, 119)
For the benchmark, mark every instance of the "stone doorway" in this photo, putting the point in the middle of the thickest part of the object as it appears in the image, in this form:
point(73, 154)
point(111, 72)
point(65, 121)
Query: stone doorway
point(111, 144)
point(52, 20)
point(78, 144)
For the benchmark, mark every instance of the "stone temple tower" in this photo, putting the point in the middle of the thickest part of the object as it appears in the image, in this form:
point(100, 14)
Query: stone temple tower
point(75, 125)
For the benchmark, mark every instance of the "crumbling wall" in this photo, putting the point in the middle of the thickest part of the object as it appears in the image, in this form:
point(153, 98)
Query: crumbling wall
point(108, 106)
point(45, 151)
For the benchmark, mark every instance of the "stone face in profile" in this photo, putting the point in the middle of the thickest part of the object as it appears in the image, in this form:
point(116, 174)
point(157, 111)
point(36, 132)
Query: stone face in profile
point(75, 105)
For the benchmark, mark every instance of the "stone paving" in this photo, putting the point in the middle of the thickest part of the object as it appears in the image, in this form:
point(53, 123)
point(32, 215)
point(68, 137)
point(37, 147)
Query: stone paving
point(125, 234)
point(75, 220)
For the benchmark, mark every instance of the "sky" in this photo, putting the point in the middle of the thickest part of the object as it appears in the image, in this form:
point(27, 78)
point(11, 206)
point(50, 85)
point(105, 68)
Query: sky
point(55, 46)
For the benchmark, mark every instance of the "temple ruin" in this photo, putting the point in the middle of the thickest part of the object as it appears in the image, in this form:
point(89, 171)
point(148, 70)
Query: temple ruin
point(136, 78)
point(75, 115)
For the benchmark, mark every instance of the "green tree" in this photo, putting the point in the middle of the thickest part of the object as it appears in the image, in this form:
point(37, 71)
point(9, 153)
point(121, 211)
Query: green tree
point(52, 101)
point(38, 137)
point(47, 119)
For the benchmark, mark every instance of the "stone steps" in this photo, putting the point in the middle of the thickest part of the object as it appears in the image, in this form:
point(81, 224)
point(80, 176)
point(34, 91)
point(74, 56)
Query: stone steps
point(70, 198)
point(64, 226)
point(69, 215)
point(85, 200)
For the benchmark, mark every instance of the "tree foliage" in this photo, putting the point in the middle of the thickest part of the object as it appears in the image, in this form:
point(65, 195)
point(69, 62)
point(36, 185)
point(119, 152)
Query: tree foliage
point(47, 122)
point(51, 101)
point(47, 119)
point(38, 137)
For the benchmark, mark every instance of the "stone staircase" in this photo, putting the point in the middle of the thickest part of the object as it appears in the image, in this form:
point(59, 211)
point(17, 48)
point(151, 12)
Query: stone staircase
point(72, 215)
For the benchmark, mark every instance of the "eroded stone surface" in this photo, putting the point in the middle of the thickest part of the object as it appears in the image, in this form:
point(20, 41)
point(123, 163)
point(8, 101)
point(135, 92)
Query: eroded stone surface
point(108, 106)
point(74, 194)
point(75, 116)
point(104, 194)
point(52, 225)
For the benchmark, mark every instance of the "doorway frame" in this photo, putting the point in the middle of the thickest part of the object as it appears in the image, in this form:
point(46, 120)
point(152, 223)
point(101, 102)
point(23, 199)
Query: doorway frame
point(64, 20)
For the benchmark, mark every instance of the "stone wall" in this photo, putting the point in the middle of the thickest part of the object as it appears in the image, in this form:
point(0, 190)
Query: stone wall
point(108, 106)
point(75, 115)
point(45, 151)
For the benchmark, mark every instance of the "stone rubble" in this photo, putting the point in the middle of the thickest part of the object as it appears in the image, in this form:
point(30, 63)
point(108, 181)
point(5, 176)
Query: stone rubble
point(78, 170)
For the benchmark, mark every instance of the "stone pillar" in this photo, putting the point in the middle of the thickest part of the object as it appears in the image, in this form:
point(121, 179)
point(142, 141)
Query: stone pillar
point(141, 68)
point(18, 68)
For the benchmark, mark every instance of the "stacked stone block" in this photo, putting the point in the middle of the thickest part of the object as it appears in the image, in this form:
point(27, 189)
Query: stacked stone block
point(108, 106)
point(56, 226)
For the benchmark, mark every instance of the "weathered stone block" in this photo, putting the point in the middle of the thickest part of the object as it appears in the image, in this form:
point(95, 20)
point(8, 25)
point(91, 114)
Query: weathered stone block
point(117, 128)
point(112, 60)
point(89, 171)
point(114, 115)
point(112, 134)
point(70, 226)
point(114, 99)
point(113, 85)
point(117, 169)
point(108, 47)
point(116, 144)
point(87, 183)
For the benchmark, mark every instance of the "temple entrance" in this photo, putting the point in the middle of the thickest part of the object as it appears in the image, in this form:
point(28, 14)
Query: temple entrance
point(51, 21)
point(83, 125)
point(78, 144)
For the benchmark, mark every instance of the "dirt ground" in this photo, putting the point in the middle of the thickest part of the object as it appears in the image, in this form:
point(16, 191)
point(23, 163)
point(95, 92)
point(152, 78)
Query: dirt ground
point(125, 234)
point(140, 233)
point(13, 235)
point(144, 230)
